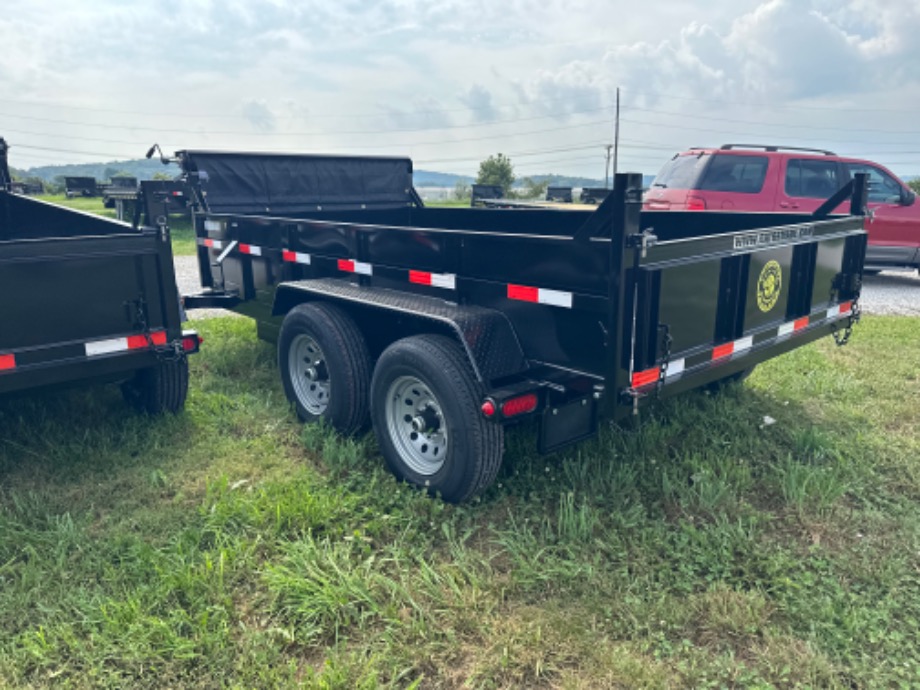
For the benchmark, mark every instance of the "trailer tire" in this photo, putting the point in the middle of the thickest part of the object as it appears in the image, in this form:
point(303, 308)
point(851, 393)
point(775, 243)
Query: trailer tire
point(160, 388)
point(425, 405)
point(334, 386)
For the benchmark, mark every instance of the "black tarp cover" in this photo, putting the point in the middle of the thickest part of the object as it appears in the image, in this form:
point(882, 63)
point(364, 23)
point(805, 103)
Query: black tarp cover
point(285, 184)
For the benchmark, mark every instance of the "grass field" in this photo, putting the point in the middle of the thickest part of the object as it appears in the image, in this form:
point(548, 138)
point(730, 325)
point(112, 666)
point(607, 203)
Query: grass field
point(183, 237)
point(231, 547)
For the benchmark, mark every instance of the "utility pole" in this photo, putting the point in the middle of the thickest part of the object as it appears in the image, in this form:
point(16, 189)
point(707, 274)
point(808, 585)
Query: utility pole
point(607, 167)
point(616, 134)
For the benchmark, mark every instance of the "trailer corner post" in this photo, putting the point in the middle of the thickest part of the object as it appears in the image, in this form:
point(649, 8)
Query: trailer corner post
point(626, 203)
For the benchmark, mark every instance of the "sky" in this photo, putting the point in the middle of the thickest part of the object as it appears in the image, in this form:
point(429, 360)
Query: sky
point(451, 82)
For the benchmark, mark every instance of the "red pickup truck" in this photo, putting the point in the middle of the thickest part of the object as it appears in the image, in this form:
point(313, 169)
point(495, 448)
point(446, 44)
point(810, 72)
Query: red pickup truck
point(743, 177)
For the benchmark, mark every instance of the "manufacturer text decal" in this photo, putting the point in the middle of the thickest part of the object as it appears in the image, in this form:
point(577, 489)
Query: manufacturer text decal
point(765, 238)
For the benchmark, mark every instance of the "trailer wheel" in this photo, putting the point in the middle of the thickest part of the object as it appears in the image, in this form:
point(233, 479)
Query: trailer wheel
point(426, 412)
point(325, 367)
point(160, 388)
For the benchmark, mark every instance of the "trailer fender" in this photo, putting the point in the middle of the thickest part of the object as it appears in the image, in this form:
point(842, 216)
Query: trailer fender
point(486, 335)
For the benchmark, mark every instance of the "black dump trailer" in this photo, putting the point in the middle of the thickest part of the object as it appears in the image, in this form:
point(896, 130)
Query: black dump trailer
point(87, 299)
point(443, 326)
point(125, 199)
point(80, 186)
point(561, 194)
point(484, 192)
point(593, 195)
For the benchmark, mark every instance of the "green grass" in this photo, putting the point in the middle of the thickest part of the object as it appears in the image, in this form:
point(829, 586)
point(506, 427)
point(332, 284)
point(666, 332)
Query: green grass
point(231, 547)
point(183, 235)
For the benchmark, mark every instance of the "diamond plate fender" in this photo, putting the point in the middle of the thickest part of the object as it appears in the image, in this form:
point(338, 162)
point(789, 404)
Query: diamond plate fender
point(486, 334)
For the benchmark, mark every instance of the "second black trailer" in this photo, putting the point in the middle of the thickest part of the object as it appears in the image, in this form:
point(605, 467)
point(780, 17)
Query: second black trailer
point(442, 326)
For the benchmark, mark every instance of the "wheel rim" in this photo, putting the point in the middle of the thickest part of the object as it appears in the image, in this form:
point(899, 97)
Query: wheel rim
point(308, 373)
point(415, 423)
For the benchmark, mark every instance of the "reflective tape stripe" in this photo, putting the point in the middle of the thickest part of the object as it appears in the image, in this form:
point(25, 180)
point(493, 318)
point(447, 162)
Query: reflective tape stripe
point(441, 280)
point(732, 348)
point(131, 342)
point(351, 266)
point(555, 298)
point(295, 257)
point(644, 378)
point(210, 244)
point(839, 310)
point(250, 249)
point(7, 362)
point(675, 368)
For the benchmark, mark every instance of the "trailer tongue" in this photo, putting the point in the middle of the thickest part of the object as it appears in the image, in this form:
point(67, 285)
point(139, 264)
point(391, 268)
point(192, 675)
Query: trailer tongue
point(443, 326)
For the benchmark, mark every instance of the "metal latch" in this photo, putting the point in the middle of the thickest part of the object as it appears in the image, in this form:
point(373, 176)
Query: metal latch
point(643, 240)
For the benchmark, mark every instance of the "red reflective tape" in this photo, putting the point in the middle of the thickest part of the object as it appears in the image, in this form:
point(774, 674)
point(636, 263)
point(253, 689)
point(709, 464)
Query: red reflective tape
point(288, 255)
point(420, 277)
point(723, 350)
point(800, 324)
point(138, 342)
point(209, 243)
point(523, 293)
point(346, 265)
point(245, 248)
point(845, 307)
point(7, 362)
point(643, 378)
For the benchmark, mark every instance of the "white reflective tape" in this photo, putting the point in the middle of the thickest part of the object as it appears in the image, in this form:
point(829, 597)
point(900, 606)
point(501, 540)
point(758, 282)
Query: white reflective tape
point(365, 269)
point(444, 280)
point(555, 298)
point(675, 367)
point(213, 225)
point(744, 344)
point(786, 329)
point(106, 347)
point(297, 257)
point(251, 249)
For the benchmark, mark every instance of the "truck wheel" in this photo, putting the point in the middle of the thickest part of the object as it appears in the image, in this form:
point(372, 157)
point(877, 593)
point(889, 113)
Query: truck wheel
point(158, 389)
point(325, 367)
point(425, 408)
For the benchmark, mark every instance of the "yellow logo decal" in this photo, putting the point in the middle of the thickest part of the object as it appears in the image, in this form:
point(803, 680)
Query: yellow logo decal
point(769, 285)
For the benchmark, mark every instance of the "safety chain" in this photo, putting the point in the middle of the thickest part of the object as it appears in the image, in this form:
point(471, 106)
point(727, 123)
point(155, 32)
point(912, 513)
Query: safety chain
point(666, 360)
point(172, 352)
point(855, 314)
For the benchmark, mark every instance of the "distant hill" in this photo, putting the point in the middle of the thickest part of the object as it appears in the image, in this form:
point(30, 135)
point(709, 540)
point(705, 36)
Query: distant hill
point(142, 169)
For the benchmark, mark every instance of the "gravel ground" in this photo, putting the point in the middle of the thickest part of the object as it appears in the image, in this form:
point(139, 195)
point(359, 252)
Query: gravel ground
point(189, 283)
point(890, 292)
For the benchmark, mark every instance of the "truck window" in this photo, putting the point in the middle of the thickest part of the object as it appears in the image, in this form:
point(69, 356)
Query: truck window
point(812, 179)
point(742, 174)
point(882, 186)
point(681, 172)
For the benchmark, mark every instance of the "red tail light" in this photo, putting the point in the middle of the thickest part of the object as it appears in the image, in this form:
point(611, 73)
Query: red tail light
point(519, 405)
point(488, 408)
point(695, 203)
point(190, 343)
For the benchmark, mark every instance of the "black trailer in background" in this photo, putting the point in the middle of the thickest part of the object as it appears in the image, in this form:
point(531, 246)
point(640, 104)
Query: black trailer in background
point(483, 192)
point(561, 194)
point(80, 186)
point(442, 325)
point(593, 195)
point(88, 299)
